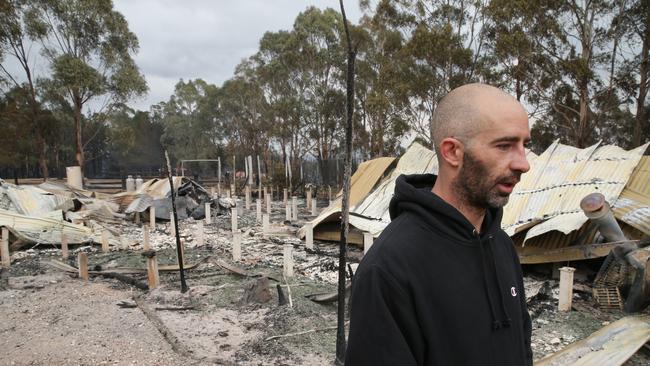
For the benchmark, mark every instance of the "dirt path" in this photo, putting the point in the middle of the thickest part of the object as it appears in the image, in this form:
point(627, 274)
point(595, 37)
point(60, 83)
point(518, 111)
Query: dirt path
point(68, 322)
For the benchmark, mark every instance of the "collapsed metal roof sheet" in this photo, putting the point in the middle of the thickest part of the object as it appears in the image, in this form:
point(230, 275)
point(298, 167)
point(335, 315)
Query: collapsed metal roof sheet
point(547, 199)
point(416, 160)
point(158, 188)
point(362, 182)
point(633, 205)
point(45, 229)
point(548, 196)
point(611, 345)
point(31, 200)
point(370, 212)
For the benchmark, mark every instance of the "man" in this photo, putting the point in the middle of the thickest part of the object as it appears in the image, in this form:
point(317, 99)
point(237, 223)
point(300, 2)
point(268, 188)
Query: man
point(442, 285)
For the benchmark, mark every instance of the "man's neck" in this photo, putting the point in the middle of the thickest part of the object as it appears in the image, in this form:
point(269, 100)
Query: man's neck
point(473, 214)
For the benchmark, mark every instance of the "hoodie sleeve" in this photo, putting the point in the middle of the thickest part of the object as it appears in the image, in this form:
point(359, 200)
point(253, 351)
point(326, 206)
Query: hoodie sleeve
point(383, 327)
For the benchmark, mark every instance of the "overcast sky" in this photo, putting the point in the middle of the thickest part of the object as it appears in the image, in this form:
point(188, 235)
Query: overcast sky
point(205, 39)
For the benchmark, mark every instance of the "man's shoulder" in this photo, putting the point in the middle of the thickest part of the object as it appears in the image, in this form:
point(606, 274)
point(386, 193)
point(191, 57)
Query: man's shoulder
point(399, 246)
point(404, 231)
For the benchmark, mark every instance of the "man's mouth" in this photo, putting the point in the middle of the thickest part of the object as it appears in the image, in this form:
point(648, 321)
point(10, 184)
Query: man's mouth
point(507, 185)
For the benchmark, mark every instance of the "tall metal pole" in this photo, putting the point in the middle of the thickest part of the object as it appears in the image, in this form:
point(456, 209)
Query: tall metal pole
point(179, 252)
point(341, 343)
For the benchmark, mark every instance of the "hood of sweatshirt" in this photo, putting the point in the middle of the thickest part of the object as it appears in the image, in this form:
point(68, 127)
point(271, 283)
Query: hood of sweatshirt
point(413, 193)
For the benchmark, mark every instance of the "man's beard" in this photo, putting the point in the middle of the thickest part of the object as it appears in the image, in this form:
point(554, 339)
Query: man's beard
point(476, 186)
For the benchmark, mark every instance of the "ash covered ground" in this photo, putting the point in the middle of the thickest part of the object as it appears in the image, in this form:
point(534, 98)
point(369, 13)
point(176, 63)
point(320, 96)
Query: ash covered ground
point(52, 317)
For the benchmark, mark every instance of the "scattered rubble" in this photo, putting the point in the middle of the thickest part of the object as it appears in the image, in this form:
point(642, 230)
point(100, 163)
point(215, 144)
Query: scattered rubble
point(235, 312)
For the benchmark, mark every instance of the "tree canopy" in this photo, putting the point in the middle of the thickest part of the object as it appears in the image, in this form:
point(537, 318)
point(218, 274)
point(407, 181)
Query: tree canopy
point(580, 68)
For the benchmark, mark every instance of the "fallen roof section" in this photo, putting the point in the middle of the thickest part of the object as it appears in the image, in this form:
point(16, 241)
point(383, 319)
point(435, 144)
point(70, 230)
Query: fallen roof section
point(612, 345)
point(30, 200)
point(545, 206)
point(44, 229)
point(40, 214)
point(633, 205)
point(548, 196)
point(362, 182)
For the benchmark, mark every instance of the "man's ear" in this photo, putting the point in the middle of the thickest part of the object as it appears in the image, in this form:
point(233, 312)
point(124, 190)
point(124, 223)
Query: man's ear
point(451, 151)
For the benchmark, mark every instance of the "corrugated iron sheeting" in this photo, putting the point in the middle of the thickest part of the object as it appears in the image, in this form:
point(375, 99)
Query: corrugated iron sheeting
point(544, 211)
point(633, 205)
point(559, 178)
point(362, 182)
point(157, 188)
point(366, 177)
point(555, 239)
point(44, 229)
point(31, 200)
point(130, 203)
point(416, 160)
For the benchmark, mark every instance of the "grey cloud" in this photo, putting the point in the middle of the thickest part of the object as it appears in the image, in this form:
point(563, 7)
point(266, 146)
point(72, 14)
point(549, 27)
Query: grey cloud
point(205, 39)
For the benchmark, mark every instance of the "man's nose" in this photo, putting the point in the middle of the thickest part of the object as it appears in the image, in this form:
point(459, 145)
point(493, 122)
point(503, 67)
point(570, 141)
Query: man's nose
point(520, 163)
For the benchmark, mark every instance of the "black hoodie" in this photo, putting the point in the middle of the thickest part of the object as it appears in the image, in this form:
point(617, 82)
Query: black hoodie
point(432, 291)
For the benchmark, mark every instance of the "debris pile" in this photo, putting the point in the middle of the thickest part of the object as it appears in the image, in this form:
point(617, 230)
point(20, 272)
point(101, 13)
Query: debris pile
point(258, 293)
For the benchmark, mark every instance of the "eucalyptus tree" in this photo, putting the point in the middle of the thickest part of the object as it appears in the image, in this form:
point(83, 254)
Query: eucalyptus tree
point(319, 35)
point(16, 42)
point(89, 47)
point(443, 48)
point(243, 113)
point(15, 139)
point(511, 32)
point(192, 128)
point(634, 73)
point(381, 89)
point(573, 82)
point(277, 67)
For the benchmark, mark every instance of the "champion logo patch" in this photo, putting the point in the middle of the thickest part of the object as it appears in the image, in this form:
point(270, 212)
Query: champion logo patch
point(513, 291)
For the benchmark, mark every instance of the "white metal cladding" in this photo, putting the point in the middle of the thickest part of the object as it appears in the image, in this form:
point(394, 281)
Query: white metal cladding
point(547, 198)
point(44, 229)
point(31, 200)
point(416, 160)
point(633, 205)
point(551, 191)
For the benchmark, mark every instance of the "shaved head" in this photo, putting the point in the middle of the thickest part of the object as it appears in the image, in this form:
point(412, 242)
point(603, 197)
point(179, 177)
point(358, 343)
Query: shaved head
point(464, 112)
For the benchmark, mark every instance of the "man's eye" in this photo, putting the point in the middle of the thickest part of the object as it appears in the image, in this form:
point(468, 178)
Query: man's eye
point(503, 146)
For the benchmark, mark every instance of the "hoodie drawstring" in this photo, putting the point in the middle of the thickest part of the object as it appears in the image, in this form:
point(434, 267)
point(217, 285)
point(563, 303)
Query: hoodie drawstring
point(507, 321)
point(496, 324)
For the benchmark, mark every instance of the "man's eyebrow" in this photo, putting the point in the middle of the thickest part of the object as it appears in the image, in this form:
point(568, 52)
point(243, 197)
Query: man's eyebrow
point(509, 139)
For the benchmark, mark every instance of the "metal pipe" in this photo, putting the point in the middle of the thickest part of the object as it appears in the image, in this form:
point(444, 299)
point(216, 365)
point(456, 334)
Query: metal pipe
point(597, 209)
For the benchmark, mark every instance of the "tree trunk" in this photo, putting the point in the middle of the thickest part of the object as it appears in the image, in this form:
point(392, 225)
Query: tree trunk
point(643, 87)
point(581, 138)
point(79, 155)
point(42, 156)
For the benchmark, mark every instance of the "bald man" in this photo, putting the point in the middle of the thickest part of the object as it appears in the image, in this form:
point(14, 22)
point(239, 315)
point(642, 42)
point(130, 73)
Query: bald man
point(442, 285)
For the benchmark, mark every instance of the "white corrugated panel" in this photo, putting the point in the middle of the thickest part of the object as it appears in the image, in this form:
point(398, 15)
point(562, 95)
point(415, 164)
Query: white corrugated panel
point(31, 200)
point(559, 178)
point(44, 229)
point(633, 205)
point(416, 160)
